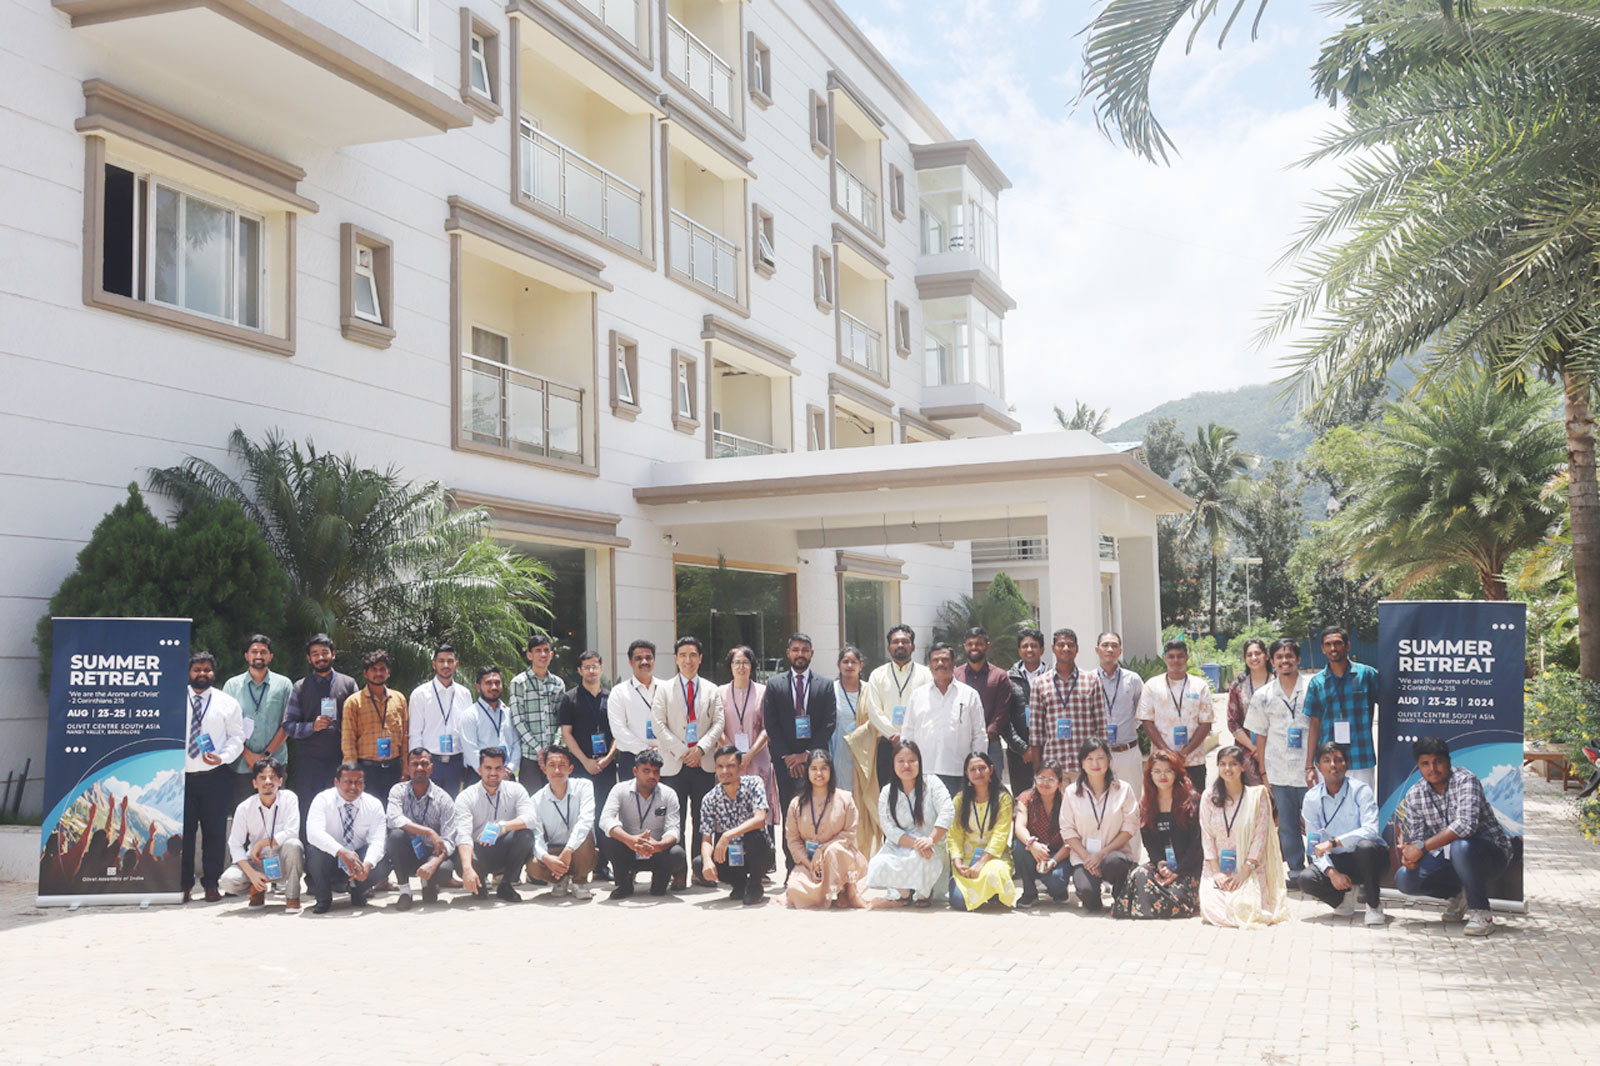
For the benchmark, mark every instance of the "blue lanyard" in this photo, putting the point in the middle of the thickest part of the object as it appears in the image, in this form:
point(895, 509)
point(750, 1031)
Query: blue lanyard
point(440, 700)
point(1344, 794)
point(566, 815)
point(1111, 700)
point(1100, 813)
point(250, 689)
point(499, 719)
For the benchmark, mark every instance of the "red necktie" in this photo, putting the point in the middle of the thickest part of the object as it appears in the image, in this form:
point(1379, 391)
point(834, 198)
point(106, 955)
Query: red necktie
point(799, 693)
point(690, 698)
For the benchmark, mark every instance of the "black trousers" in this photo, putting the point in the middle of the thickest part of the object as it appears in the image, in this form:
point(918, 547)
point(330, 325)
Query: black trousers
point(1366, 866)
point(1197, 774)
point(399, 854)
point(625, 862)
point(507, 856)
point(327, 876)
point(757, 854)
point(207, 802)
point(691, 784)
point(788, 787)
point(309, 775)
point(1114, 870)
point(885, 762)
point(380, 778)
point(446, 774)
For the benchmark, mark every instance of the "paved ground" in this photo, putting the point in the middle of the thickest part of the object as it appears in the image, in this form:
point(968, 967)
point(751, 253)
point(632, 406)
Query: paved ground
point(694, 979)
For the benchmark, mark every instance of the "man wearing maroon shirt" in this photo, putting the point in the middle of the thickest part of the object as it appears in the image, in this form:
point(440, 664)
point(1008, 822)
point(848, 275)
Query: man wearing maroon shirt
point(999, 706)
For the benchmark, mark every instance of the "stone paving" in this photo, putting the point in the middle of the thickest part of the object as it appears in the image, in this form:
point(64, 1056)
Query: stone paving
point(696, 979)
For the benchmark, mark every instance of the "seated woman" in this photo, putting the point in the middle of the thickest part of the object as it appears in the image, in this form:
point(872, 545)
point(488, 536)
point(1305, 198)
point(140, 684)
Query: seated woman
point(915, 812)
point(1168, 886)
point(980, 860)
point(1243, 885)
point(1098, 819)
point(820, 829)
point(1038, 851)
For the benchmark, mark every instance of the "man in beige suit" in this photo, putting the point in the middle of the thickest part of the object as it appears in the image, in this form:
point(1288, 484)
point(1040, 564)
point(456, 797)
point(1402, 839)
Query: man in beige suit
point(686, 716)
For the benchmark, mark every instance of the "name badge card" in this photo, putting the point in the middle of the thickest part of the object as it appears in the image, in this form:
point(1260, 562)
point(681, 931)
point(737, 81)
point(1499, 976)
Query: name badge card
point(691, 733)
point(1180, 736)
point(898, 715)
point(741, 741)
point(330, 708)
point(1111, 732)
point(811, 849)
point(272, 865)
point(421, 846)
point(1172, 858)
point(1229, 860)
point(491, 833)
point(1341, 732)
point(735, 852)
point(447, 743)
point(1094, 844)
point(249, 726)
point(1063, 729)
point(802, 727)
point(649, 729)
point(385, 748)
point(1313, 839)
point(597, 741)
point(977, 853)
point(1297, 738)
point(203, 742)
point(644, 855)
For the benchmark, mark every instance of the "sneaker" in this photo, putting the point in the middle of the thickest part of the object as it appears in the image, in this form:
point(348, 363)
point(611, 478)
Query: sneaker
point(563, 886)
point(1479, 923)
point(580, 891)
point(1374, 916)
point(404, 902)
point(1026, 900)
point(1347, 904)
point(323, 907)
point(623, 890)
point(1456, 909)
point(291, 906)
point(258, 898)
point(508, 892)
point(430, 893)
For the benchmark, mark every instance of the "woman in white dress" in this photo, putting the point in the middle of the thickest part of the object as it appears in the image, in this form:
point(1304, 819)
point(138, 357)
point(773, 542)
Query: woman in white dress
point(915, 812)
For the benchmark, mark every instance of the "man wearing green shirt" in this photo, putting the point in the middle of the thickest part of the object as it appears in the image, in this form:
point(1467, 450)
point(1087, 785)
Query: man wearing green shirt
point(263, 696)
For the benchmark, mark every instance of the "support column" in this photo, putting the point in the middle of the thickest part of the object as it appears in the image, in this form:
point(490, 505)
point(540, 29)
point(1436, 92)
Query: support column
point(1141, 596)
point(1072, 531)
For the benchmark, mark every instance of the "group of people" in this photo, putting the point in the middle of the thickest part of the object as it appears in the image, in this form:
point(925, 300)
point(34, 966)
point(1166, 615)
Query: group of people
point(956, 777)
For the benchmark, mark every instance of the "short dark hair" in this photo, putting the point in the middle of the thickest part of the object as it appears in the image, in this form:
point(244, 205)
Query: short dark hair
point(1429, 746)
point(645, 644)
point(373, 658)
point(487, 669)
point(536, 639)
point(441, 649)
point(1335, 631)
point(1069, 634)
point(938, 646)
point(495, 752)
point(1282, 644)
point(741, 649)
point(900, 628)
point(257, 638)
point(203, 657)
point(975, 631)
point(648, 757)
point(319, 638)
point(589, 653)
point(414, 752)
point(561, 750)
point(1108, 633)
point(798, 638)
point(728, 749)
point(851, 649)
point(689, 642)
point(1024, 632)
point(1329, 747)
point(269, 763)
point(1175, 644)
point(349, 766)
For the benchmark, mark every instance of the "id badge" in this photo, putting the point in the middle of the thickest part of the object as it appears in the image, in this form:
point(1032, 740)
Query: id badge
point(1111, 732)
point(811, 849)
point(1229, 860)
point(330, 708)
point(649, 729)
point(742, 741)
point(1341, 732)
point(272, 865)
point(1094, 844)
point(447, 743)
point(385, 748)
point(976, 854)
point(802, 727)
point(1180, 736)
point(203, 742)
point(1172, 859)
point(249, 727)
point(597, 741)
point(490, 834)
point(642, 855)
point(898, 715)
point(1313, 839)
point(1297, 738)
point(735, 852)
point(1063, 729)
point(691, 732)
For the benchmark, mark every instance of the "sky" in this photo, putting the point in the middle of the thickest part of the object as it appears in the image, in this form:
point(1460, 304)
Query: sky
point(1135, 283)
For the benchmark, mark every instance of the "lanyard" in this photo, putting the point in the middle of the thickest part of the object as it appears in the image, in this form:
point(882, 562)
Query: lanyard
point(1072, 682)
point(1294, 707)
point(1249, 685)
point(1100, 813)
point(1443, 811)
point(646, 697)
point(494, 801)
point(816, 819)
point(850, 703)
point(642, 804)
point(1111, 700)
point(984, 827)
point(273, 832)
point(250, 689)
point(684, 685)
point(594, 701)
point(900, 686)
point(1183, 690)
point(566, 815)
point(1227, 823)
point(498, 719)
point(738, 708)
point(1339, 681)
point(382, 713)
point(440, 700)
point(1344, 794)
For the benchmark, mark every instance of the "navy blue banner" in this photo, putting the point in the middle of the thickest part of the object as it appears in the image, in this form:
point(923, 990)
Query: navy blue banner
point(113, 782)
point(1455, 669)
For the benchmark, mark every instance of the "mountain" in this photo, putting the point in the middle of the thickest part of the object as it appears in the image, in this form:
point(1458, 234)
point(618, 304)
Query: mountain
point(1267, 425)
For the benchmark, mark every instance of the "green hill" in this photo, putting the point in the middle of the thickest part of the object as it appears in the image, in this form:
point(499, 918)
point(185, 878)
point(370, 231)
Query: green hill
point(1267, 426)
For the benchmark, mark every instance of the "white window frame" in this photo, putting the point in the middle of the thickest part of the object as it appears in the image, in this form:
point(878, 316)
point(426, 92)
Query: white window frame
point(369, 273)
point(822, 278)
point(145, 227)
point(478, 66)
point(625, 393)
point(765, 239)
point(760, 60)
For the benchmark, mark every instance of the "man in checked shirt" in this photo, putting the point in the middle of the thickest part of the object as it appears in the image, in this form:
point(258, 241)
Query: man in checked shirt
point(535, 697)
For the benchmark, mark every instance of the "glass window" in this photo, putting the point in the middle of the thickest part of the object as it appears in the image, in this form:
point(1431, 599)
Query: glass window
point(478, 65)
point(624, 376)
point(206, 257)
point(367, 304)
point(725, 606)
point(870, 608)
point(685, 394)
point(573, 592)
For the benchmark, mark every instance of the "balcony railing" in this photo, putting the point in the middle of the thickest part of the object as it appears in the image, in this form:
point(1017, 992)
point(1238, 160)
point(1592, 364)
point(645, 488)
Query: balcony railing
point(1010, 550)
point(622, 16)
point(1108, 547)
point(724, 444)
point(860, 343)
point(693, 62)
point(979, 235)
point(857, 200)
point(949, 359)
point(581, 189)
point(519, 411)
point(705, 256)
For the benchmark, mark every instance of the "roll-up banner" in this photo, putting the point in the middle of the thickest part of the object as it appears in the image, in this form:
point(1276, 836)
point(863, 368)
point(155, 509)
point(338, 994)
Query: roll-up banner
point(1454, 669)
point(113, 782)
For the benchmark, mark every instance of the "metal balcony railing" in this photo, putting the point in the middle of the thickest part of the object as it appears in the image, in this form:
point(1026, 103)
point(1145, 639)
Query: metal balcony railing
point(703, 255)
point(1010, 550)
point(697, 65)
point(621, 15)
point(519, 411)
point(724, 444)
point(581, 189)
point(857, 200)
point(860, 343)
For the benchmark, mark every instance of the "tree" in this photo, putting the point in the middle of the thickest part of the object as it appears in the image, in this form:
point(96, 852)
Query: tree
point(371, 559)
point(212, 567)
point(1213, 477)
point(1330, 592)
point(1163, 446)
point(1182, 569)
point(1001, 610)
point(1270, 521)
point(1454, 477)
point(1083, 417)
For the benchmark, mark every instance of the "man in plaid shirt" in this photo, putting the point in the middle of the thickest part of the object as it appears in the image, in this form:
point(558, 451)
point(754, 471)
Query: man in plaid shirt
point(1342, 703)
point(1065, 707)
point(535, 697)
point(1454, 843)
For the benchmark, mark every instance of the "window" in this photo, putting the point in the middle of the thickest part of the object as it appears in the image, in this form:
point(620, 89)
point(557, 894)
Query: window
point(480, 66)
point(822, 273)
point(624, 373)
point(816, 428)
point(868, 607)
point(685, 406)
point(727, 604)
point(366, 277)
point(760, 72)
point(766, 245)
point(902, 330)
point(897, 192)
point(821, 124)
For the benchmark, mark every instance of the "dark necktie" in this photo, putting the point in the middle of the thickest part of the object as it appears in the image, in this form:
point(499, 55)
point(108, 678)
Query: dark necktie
point(197, 711)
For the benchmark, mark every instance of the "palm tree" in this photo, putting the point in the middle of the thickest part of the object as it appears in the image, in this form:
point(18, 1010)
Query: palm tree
point(1214, 478)
point(1083, 417)
point(372, 560)
point(1456, 476)
point(1000, 610)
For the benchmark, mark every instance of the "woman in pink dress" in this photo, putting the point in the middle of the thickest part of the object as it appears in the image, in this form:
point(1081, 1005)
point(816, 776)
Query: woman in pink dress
point(745, 727)
point(820, 830)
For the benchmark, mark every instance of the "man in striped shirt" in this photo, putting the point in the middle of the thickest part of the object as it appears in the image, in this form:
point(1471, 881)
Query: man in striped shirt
point(535, 696)
point(1065, 707)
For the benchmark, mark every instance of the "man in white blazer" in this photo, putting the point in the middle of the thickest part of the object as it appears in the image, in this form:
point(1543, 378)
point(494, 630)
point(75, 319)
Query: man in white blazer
point(686, 716)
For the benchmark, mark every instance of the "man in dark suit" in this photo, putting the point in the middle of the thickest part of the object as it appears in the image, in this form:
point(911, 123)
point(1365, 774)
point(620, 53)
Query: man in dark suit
point(799, 711)
point(311, 721)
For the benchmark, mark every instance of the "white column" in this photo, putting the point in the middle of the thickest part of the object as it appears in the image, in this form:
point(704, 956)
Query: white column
point(1141, 596)
point(1072, 530)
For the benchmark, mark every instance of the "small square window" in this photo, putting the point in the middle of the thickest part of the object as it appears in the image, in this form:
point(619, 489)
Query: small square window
point(822, 274)
point(624, 375)
point(366, 281)
point(902, 329)
point(685, 395)
point(897, 192)
point(766, 259)
point(368, 305)
point(760, 72)
point(816, 428)
point(821, 124)
point(480, 65)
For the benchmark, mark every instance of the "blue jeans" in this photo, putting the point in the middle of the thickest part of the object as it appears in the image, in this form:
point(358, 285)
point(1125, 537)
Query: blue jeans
point(1288, 798)
point(1055, 882)
point(1471, 863)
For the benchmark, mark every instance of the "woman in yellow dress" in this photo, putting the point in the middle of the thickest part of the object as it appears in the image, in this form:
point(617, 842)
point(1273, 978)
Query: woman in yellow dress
point(980, 839)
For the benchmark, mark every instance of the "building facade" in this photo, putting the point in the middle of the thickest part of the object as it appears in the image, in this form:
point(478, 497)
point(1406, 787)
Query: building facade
point(697, 297)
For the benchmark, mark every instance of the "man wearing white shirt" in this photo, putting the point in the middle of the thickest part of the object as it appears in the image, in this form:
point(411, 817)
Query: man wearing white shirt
point(946, 720)
point(493, 828)
point(564, 851)
point(641, 825)
point(686, 717)
point(488, 725)
point(216, 737)
point(421, 844)
point(346, 831)
point(265, 840)
point(438, 707)
point(893, 684)
point(1122, 689)
point(628, 707)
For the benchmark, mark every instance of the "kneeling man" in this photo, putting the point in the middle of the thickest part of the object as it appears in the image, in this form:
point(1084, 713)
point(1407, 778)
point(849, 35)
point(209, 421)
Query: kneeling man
point(422, 831)
point(563, 828)
point(345, 828)
point(733, 819)
point(640, 826)
point(492, 827)
point(265, 840)
point(1342, 838)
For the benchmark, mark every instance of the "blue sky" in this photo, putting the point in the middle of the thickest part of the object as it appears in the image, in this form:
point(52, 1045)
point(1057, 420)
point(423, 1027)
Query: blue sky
point(1135, 283)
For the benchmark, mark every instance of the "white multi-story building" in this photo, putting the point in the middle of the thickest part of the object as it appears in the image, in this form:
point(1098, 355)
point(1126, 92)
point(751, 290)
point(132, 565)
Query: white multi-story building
point(659, 282)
